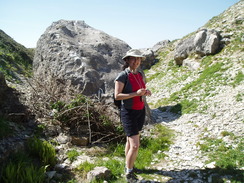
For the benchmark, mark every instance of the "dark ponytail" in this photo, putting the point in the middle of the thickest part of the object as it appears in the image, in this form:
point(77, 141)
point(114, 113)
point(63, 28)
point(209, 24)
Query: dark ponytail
point(126, 64)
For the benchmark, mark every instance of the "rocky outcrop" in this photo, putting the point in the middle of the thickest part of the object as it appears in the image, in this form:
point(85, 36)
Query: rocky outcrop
point(207, 42)
point(81, 56)
point(151, 54)
point(159, 45)
point(204, 42)
point(150, 58)
point(74, 51)
point(98, 173)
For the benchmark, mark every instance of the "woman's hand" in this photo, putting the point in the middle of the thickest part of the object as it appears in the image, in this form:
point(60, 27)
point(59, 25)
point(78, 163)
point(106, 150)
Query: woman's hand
point(143, 92)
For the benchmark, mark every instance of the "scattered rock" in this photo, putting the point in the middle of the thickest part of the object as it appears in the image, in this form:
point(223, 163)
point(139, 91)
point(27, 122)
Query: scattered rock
point(98, 172)
point(191, 64)
point(159, 45)
point(63, 139)
point(80, 141)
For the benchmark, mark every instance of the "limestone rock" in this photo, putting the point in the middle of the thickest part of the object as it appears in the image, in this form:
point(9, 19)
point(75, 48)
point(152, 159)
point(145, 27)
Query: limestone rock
point(63, 139)
point(80, 141)
point(204, 42)
point(98, 172)
point(159, 45)
point(81, 55)
point(183, 49)
point(191, 64)
point(150, 58)
point(75, 51)
point(207, 42)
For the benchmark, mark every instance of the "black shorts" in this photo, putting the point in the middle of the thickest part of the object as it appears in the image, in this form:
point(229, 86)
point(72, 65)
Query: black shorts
point(132, 120)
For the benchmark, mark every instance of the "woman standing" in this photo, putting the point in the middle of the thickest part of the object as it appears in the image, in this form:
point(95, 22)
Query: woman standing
point(130, 88)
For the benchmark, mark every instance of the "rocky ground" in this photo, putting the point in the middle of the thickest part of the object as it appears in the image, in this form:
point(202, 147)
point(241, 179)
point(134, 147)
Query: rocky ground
point(184, 162)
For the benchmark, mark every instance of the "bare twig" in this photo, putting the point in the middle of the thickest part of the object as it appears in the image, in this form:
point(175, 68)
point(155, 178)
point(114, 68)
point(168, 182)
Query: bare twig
point(89, 123)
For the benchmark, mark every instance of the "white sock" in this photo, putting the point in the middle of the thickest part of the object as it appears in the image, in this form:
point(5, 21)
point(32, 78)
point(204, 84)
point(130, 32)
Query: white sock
point(129, 170)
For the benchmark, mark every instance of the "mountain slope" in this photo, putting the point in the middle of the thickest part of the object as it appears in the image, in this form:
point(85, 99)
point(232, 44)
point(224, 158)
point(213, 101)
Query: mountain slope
point(202, 104)
point(14, 58)
point(171, 83)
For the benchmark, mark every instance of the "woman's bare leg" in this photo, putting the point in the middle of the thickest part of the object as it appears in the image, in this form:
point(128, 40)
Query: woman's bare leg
point(131, 150)
point(127, 146)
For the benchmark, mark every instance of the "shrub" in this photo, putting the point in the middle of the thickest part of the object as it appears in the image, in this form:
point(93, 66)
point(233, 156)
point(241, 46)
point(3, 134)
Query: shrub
point(57, 105)
point(85, 167)
point(20, 168)
point(72, 155)
point(42, 149)
point(82, 111)
point(115, 166)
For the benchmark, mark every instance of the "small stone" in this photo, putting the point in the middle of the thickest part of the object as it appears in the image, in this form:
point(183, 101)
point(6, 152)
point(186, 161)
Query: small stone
point(211, 165)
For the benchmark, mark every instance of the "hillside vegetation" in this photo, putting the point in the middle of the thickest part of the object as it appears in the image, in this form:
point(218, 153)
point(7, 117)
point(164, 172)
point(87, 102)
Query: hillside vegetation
point(199, 114)
point(207, 102)
point(15, 59)
point(191, 88)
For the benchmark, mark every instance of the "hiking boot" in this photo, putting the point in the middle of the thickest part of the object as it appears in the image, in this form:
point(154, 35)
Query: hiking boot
point(131, 177)
point(136, 170)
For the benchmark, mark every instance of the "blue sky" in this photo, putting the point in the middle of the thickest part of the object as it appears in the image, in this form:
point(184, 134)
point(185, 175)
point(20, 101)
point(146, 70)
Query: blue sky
point(140, 23)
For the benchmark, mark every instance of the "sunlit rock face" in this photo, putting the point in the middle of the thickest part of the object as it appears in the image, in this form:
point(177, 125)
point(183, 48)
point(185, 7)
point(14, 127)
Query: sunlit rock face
point(72, 50)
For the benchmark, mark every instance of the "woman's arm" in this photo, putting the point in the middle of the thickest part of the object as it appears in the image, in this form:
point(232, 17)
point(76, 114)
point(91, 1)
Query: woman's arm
point(122, 96)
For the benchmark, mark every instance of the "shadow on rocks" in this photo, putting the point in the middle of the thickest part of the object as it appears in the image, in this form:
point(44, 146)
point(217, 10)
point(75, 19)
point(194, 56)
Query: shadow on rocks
point(216, 175)
point(167, 113)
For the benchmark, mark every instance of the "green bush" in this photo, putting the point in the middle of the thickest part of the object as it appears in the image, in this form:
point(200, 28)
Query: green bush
point(22, 170)
point(72, 155)
point(117, 149)
point(14, 58)
point(239, 97)
point(42, 149)
point(115, 166)
point(85, 167)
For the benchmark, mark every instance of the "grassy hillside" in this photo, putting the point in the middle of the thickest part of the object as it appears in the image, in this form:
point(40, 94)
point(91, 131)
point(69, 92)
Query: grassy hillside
point(213, 92)
point(208, 101)
point(15, 59)
point(188, 90)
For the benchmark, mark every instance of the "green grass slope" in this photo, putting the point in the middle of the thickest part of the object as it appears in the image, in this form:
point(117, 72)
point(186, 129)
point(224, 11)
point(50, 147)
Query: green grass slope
point(188, 90)
point(15, 59)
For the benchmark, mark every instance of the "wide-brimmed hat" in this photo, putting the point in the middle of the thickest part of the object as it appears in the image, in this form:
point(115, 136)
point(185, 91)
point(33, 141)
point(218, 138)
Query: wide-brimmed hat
point(134, 53)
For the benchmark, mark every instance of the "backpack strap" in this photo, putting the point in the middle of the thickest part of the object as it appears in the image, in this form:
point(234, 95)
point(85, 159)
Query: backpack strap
point(118, 103)
point(126, 79)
